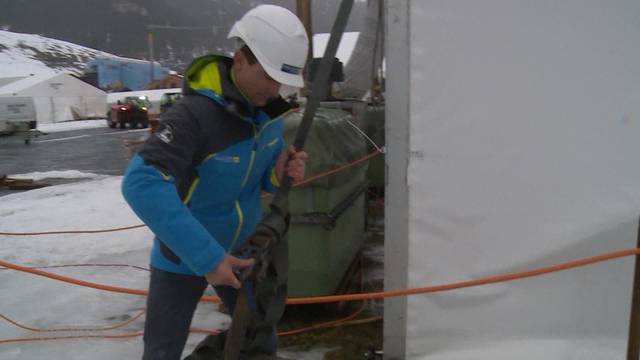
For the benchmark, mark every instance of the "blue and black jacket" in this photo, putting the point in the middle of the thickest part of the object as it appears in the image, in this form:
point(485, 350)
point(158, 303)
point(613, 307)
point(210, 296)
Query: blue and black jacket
point(197, 181)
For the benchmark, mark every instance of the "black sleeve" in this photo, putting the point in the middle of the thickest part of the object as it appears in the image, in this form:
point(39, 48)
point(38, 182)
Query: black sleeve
point(173, 148)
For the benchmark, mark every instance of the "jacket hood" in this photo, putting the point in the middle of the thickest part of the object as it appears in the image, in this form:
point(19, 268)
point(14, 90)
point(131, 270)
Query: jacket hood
point(210, 76)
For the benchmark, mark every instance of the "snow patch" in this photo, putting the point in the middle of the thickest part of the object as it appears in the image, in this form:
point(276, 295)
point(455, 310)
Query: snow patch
point(72, 125)
point(64, 174)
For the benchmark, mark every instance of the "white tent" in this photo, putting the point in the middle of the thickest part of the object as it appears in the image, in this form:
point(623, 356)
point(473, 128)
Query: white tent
point(513, 139)
point(58, 97)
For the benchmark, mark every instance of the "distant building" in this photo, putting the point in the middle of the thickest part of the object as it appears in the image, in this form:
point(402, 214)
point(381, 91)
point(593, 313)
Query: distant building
point(170, 81)
point(119, 74)
point(57, 97)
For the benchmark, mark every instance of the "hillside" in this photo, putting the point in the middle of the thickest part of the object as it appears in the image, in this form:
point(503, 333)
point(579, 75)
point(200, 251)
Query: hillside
point(23, 54)
point(182, 29)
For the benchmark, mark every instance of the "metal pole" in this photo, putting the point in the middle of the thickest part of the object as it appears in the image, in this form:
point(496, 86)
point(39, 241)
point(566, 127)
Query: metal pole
point(303, 9)
point(150, 42)
point(633, 348)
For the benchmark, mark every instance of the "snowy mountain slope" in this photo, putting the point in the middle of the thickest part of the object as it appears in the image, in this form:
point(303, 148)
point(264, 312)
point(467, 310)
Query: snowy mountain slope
point(24, 54)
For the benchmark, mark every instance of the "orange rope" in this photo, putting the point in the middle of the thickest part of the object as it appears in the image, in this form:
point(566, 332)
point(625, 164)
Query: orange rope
point(87, 265)
point(70, 280)
point(140, 333)
point(334, 323)
point(119, 325)
point(327, 324)
point(88, 336)
point(305, 181)
point(383, 294)
point(469, 283)
point(364, 296)
point(91, 336)
point(338, 169)
point(71, 231)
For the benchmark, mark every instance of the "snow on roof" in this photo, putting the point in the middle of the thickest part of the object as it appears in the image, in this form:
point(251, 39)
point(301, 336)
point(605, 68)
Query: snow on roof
point(51, 83)
point(25, 82)
point(7, 80)
point(345, 49)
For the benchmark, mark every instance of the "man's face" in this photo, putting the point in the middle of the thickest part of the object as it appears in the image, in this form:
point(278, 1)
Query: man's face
point(253, 81)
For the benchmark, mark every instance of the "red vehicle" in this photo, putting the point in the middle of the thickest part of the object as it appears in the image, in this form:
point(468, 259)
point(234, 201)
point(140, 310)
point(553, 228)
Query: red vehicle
point(134, 110)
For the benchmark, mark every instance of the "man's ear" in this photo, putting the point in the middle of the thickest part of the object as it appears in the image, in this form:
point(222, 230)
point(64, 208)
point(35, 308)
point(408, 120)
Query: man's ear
point(239, 59)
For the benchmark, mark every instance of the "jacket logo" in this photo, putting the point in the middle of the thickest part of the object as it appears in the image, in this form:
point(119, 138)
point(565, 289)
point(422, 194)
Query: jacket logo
point(166, 134)
point(228, 159)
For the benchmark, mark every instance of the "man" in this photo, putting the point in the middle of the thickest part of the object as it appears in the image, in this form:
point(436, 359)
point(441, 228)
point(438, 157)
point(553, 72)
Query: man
point(197, 182)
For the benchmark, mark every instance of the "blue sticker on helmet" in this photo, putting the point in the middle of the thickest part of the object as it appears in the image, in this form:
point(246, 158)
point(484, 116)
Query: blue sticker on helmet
point(290, 69)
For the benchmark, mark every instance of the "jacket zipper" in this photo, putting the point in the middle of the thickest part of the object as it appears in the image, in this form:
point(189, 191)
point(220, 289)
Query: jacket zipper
point(244, 182)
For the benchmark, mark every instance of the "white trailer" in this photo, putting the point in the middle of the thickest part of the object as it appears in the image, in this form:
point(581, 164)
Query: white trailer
point(18, 117)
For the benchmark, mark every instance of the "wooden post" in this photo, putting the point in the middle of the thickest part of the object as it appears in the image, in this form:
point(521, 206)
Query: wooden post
point(633, 348)
point(303, 9)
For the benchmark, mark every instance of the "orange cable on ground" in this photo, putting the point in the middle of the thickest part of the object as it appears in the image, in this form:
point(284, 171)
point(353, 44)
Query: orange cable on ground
point(86, 265)
point(363, 296)
point(369, 295)
point(305, 181)
point(70, 280)
point(469, 283)
point(333, 323)
point(91, 336)
point(140, 333)
point(338, 169)
point(111, 327)
point(71, 231)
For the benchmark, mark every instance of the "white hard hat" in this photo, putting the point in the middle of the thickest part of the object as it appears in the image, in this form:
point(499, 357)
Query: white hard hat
point(278, 39)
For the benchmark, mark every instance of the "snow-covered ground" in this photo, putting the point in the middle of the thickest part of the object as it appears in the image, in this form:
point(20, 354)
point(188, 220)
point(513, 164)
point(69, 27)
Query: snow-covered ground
point(35, 301)
point(72, 125)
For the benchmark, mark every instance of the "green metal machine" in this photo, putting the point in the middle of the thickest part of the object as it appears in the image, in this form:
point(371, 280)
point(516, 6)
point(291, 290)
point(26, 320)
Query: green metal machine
point(327, 214)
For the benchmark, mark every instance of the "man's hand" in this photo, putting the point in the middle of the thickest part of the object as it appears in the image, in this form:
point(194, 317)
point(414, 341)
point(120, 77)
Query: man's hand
point(291, 163)
point(223, 274)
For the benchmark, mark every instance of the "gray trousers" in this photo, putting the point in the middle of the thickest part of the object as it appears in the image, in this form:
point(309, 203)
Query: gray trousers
point(171, 303)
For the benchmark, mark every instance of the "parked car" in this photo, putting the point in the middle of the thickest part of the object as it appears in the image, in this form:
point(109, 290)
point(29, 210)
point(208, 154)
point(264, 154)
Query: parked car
point(133, 110)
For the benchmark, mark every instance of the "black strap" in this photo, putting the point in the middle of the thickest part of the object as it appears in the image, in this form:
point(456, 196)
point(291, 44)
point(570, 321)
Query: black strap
point(279, 206)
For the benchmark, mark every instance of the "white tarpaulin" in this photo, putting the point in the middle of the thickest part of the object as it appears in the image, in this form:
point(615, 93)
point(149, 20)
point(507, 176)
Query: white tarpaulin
point(523, 147)
point(58, 97)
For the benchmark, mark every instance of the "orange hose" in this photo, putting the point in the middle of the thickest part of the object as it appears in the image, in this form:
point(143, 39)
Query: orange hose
point(338, 169)
point(305, 181)
point(369, 295)
point(91, 336)
point(87, 265)
point(70, 280)
point(332, 323)
point(140, 333)
point(469, 283)
point(327, 324)
point(378, 295)
point(119, 325)
point(71, 231)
